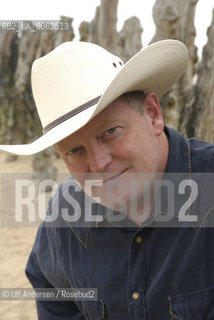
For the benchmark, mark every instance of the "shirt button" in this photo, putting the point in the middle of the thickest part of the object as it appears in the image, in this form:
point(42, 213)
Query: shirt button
point(135, 295)
point(139, 239)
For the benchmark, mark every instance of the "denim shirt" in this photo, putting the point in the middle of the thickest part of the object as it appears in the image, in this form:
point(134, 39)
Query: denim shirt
point(139, 272)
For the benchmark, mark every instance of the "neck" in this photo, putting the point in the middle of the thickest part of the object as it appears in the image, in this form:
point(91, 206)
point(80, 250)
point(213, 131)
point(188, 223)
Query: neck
point(146, 203)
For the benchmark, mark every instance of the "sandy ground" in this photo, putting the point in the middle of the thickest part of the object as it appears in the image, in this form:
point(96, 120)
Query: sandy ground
point(15, 246)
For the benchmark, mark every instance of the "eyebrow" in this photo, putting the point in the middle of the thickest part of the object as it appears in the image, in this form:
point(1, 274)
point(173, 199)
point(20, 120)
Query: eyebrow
point(63, 148)
point(110, 121)
point(72, 143)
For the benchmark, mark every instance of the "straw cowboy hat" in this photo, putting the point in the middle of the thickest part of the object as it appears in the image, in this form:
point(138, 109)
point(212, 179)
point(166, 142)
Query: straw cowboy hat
point(77, 80)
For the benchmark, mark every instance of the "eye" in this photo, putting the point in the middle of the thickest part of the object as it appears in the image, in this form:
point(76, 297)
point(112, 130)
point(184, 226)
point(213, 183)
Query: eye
point(110, 131)
point(73, 151)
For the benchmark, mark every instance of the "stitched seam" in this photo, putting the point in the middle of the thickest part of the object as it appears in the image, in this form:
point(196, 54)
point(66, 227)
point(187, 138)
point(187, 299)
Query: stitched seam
point(129, 283)
point(97, 222)
point(85, 245)
point(189, 161)
point(190, 192)
point(103, 311)
point(173, 316)
point(190, 176)
point(203, 221)
point(197, 230)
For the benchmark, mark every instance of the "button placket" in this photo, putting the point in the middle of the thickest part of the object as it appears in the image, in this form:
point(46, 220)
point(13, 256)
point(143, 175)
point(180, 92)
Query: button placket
point(135, 295)
point(136, 277)
point(139, 239)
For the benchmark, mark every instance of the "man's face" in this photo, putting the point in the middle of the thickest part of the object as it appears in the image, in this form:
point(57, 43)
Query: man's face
point(117, 146)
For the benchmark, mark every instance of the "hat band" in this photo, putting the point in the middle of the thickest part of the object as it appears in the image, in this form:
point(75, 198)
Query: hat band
point(70, 114)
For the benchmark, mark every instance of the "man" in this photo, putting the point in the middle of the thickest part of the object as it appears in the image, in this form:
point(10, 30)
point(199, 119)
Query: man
point(106, 122)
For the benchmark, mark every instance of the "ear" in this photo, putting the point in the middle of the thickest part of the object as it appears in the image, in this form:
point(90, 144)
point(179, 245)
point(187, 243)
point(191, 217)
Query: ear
point(153, 111)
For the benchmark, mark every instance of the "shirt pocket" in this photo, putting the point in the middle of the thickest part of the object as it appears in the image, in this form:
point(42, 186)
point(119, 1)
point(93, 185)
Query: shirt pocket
point(95, 310)
point(194, 305)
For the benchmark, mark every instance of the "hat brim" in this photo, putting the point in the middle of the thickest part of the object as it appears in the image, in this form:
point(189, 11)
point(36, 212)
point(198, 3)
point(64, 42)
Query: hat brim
point(154, 69)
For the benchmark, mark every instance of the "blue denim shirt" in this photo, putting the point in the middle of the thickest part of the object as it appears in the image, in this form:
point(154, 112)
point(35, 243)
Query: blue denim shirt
point(139, 272)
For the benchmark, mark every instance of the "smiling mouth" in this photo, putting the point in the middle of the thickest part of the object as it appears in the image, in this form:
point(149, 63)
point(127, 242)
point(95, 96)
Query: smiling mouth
point(114, 177)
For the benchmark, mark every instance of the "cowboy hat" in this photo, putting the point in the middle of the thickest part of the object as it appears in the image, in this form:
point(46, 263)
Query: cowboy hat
point(77, 80)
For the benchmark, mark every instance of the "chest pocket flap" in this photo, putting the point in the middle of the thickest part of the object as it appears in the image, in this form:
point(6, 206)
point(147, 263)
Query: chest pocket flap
point(194, 305)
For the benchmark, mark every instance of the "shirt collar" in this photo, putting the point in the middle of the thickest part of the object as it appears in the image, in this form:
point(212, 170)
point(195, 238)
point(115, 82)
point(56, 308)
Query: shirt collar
point(178, 159)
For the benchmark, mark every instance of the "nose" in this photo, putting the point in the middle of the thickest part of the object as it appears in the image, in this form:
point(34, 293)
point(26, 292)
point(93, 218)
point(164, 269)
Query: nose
point(99, 157)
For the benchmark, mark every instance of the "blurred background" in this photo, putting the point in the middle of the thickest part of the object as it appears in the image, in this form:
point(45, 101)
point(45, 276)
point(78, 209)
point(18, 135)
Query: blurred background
point(122, 27)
